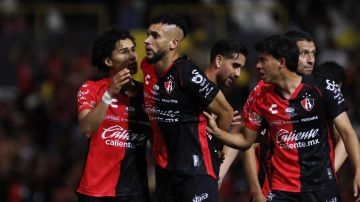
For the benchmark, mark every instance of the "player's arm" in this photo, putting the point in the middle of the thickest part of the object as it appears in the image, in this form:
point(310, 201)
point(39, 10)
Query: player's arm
point(351, 142)
point(90, 119)
point(222, 109)
point(249, 165)
point(229, 153)
point(241, 140)
point(340, 152)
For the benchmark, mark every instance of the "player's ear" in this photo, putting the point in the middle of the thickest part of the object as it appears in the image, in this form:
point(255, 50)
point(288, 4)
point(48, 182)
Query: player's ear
point(108, 62)
point(174, 44)
point(218, 60)
point(282, 62)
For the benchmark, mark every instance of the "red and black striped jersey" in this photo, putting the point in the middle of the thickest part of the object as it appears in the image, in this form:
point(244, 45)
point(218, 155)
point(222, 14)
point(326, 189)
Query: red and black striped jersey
point(174, 102)
point(301, 131)
point(116, 159)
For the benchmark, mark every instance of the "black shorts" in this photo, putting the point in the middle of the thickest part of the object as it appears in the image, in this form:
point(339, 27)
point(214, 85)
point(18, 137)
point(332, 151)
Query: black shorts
point(330, 194)
point(86, 198)
point(173, 187)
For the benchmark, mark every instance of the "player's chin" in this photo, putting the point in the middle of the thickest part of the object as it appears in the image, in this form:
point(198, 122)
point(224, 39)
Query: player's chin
point(132, 68)
point(308, 70)
point(133, 71)
point(150, 55)
point(228, 83)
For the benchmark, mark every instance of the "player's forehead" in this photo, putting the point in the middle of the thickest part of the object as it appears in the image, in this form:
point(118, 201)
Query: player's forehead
point(238, 58)
point(264, 56)
point(163, 29)
point(124, 43)
point(158, 28)
point(306, 45)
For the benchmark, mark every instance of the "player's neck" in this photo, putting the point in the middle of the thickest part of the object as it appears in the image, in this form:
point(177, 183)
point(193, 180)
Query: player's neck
point(165, 62)
point(210, 74)
point(288, 84)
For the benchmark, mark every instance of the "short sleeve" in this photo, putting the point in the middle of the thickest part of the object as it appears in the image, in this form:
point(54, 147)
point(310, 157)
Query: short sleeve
point(195, 82)
point(251, 114)
point(334, 99)
point(86, 96)
point(251, 99)
point(253, 117)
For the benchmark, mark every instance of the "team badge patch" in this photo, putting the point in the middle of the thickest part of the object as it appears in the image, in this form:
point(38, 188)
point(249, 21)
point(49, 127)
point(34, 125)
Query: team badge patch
point(307, 103)
point(255, 118)
point(169, 86)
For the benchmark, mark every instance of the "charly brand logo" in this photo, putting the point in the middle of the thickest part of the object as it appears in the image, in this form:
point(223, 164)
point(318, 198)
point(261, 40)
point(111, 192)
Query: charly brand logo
point(294, 139)
point(113, 103)
point(169, 84)
point(201, 197)
point(273, 109)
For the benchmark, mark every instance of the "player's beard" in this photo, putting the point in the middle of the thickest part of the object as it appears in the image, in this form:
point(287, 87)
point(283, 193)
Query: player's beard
point(156, 58)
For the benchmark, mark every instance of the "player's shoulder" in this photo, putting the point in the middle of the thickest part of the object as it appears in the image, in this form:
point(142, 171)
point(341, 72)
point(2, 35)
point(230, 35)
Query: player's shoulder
point(144, 63)
point(184, 62)
point(261, 89)
point(94, 84)
point(323, 84)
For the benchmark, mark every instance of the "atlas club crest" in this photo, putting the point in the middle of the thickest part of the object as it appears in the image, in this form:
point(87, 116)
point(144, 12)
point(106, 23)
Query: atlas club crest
point(169, 85)
point(307, 103)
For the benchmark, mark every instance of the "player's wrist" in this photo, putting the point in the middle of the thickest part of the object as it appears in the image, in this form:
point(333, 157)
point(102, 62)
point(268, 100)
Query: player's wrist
point(107, 98)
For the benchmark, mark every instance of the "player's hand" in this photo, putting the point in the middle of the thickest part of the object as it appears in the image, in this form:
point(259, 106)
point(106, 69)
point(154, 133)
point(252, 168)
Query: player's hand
point(236, 119)
point(357, 186)
point(212, 125)
point(118, 81)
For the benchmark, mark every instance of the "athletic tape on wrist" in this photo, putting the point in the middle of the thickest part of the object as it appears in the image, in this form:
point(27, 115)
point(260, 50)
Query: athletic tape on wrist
point(106, 98)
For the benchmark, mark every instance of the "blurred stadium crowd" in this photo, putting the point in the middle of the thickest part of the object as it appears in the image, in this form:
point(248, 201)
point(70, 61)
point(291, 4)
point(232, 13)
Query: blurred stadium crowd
point(45, 56)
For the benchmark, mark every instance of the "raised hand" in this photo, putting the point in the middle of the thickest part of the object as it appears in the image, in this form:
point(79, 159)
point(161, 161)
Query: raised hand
point(118, 81)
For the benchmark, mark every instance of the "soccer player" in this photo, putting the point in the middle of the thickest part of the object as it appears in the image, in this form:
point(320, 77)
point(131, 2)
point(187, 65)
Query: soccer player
point(255, 159)
point(175, 94)
point(299, 111)
point(227, 57)
point(112, 117)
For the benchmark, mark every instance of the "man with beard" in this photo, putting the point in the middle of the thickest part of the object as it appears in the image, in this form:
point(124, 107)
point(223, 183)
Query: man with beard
point(175, 94)
point(299, 111)
point(256, 159)
point(112, 117)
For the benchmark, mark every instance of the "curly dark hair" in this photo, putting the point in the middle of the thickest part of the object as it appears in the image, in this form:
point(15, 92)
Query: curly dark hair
point(280, 46)
point(104, 45)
